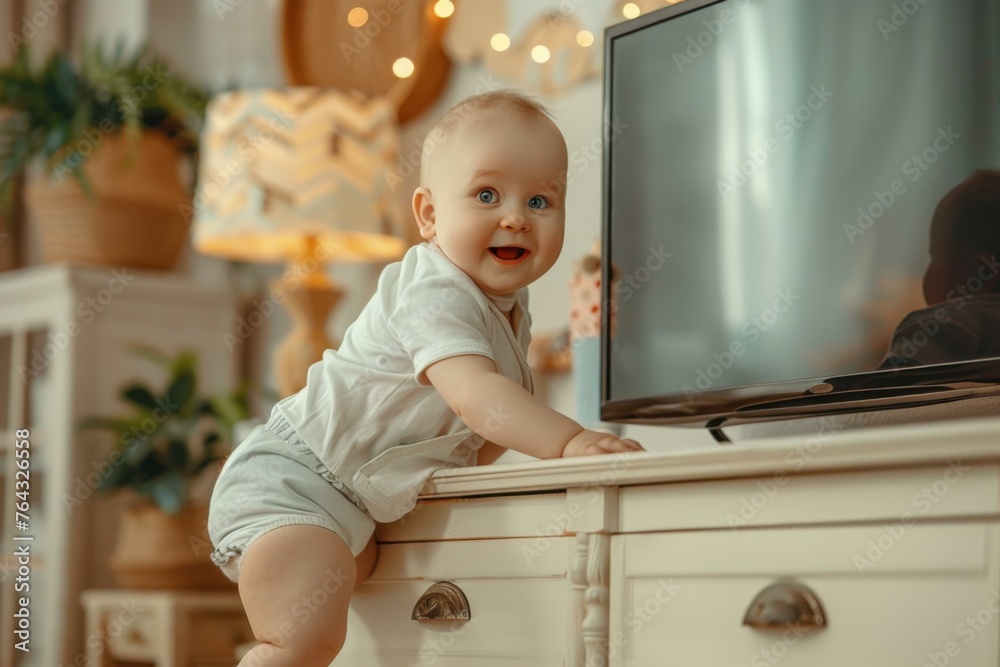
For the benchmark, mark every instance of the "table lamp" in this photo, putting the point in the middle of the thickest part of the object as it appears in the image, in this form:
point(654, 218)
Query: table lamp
point(299, 176)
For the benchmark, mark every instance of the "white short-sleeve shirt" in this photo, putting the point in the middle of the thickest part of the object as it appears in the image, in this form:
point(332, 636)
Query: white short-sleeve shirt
point(367, 410)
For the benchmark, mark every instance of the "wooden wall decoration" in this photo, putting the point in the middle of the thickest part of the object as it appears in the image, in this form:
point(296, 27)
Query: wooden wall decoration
point(570, 30)
point(469, 39)
point(320, 48)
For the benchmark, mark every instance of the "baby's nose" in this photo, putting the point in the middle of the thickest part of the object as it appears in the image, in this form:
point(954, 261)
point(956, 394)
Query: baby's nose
point(515, 222)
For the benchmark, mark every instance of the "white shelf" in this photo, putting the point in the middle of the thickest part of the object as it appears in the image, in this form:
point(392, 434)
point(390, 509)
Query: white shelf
point(90, 316)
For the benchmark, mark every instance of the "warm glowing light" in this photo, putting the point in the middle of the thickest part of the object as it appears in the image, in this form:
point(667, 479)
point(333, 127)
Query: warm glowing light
point(584, 38)
point(357, 17)
point(403, 67)
point(540, 54)
point(444, 8)
point(630, 10)
point(500, 42)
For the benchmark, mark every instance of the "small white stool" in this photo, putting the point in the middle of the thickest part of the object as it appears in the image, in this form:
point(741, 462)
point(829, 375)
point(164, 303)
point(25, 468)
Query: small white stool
point(165, 628)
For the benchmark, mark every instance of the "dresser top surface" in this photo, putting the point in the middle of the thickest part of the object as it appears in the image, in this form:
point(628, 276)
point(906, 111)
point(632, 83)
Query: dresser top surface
point(968, 440)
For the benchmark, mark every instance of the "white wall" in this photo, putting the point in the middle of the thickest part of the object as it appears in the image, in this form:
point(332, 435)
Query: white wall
point(113, 20)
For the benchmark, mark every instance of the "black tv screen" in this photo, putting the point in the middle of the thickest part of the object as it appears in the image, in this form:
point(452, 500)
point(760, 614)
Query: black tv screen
point(800, 208)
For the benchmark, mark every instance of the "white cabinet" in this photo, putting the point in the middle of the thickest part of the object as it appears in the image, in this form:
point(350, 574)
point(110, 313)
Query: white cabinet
point(655, 559)
point(64, 339)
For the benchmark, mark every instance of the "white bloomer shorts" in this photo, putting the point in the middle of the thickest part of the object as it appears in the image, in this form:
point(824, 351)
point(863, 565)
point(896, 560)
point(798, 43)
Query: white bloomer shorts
point(272, 479)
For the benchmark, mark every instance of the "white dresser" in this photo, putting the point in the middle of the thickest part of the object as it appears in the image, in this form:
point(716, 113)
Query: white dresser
point(876, 547)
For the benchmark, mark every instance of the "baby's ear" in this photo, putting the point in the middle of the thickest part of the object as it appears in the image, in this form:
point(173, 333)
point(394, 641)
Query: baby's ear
point(423, 211)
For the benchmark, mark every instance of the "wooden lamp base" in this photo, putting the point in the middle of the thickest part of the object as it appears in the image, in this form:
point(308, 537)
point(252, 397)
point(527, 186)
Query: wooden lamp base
point(309, 306)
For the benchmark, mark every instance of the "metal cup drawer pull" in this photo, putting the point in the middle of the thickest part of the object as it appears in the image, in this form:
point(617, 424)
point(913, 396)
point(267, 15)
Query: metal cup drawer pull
point(443, 601)
point(783, 604)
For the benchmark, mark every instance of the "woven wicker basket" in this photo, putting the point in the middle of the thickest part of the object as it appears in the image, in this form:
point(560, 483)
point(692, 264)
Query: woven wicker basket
point(153, 550)
point(134, 217)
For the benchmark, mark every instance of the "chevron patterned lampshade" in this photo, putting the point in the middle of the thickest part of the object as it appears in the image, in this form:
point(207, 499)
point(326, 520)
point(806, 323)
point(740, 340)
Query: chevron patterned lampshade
point(303, 176)
point(286, 174)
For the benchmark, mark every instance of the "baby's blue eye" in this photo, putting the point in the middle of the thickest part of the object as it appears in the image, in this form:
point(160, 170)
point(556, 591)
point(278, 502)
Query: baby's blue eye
point(538, 201)
point(487, 196)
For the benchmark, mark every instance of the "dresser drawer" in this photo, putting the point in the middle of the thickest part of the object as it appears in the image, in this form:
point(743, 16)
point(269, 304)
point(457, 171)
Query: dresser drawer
point(519, 600)
point(954, 490)
point(891, 594)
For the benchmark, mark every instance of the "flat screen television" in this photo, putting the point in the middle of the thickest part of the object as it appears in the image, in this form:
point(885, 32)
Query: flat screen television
point(772, 170)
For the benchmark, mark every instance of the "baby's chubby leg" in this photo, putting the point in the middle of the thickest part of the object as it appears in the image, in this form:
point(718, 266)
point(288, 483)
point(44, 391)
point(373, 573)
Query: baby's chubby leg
point(296, 584)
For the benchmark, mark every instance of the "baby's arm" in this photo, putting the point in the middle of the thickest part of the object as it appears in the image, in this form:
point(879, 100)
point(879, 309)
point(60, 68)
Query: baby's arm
point(503, 412)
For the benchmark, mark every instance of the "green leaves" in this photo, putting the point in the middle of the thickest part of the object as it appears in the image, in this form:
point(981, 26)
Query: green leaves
point(52, 107)
point(167, 491)
point(177, 454)
point(181, 389)
point(140, 396)
point(171, 435)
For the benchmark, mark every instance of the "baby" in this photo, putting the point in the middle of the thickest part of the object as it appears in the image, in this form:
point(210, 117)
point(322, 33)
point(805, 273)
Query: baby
point(433, 374)
point(961, 283)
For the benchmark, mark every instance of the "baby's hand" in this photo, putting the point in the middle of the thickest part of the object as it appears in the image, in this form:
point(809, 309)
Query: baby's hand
point(595, 442)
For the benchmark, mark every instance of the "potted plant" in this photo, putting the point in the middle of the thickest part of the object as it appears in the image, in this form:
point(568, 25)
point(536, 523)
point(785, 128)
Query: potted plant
point(171, 440)
point(112, 135)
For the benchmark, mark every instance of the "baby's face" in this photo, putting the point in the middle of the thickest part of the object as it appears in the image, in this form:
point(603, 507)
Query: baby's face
point(498, 199)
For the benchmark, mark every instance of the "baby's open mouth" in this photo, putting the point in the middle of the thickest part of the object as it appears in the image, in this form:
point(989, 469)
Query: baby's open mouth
point(508, 252)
